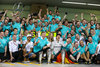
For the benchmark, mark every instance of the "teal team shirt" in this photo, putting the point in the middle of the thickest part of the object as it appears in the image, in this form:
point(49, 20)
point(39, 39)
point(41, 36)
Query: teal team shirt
point(53, 27)
point(73, 38)
point(0, 24)
point(24, 38)
point(97, 32)
point(2, 45)
point(77, 30)
point(95, 38)
point(41, 44)
point(57, 17)
point(37, 28)
point(30, 27)
point(45, 29)
point(50, 17)
point(67, 48)
point(64, 30)
point(92, 47)
point(6, 27)
point(74, 49)
point(7, 38)
point(17, 25)
point(93, 26)
point(82, 49)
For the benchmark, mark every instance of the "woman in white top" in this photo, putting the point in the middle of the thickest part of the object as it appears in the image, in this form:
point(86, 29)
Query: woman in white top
point(28, 48)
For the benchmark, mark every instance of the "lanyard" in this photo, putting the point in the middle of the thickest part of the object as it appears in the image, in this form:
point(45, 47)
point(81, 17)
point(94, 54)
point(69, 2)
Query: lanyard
point(15, 43)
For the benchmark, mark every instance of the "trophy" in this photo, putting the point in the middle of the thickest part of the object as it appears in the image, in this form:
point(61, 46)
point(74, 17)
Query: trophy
point(18, 7)
point(63, 55)
point(49, 55)
point(40, 57)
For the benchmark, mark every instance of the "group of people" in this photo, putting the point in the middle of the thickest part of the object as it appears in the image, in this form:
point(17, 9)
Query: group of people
point(80, 39)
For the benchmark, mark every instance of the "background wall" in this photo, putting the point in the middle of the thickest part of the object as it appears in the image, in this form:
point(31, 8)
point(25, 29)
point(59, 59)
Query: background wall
point(10, 10)
point(72, 11)
point(70, 16)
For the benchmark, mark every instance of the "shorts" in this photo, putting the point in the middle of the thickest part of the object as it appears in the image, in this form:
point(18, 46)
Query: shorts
point(29, 56)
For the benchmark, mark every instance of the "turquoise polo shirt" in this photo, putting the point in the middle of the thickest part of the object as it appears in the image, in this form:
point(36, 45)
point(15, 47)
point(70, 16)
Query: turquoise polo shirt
point(2, 45)
point(92, 47)
point(53, 27)
point(77, 30)
point(17, 25)
point(41, 44)
point(64, 29)
point(82, 49)
point(57, 17)
point(30, 27)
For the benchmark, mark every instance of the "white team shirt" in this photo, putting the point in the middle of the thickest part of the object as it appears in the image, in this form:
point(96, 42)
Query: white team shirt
point(13, 46)
point(29, 45)
point(56, 46)
point(98, 48)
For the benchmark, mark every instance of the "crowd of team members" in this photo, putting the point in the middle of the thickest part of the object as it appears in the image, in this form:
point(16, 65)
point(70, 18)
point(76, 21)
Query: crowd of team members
point(80, 39)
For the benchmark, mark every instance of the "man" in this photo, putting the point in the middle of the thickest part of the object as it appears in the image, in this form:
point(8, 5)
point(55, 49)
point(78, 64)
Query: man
point(49, 15)
point(83, 50)
point(56, 46)
point(3, 47)
point(92, 49)
point(15, 32)
point(68, 45)
point(95, 37)
point(78, 28)
point(41, 44)
point(6, 33)
point(78, 38)
point(75, 54)
point(28, 48)
point(73, 36)
point(57, 16)
point(6, 25)
point(15, 52)
point(29, 25)
point(92, 24)
point(25, 35)
point(16, 24)
point(53, 26)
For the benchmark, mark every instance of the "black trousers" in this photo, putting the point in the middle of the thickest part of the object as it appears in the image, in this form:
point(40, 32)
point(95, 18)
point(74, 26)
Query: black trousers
point(44, 51)
point(93, 60)
point(1, 56)
point(18, 56)
point(98, 57)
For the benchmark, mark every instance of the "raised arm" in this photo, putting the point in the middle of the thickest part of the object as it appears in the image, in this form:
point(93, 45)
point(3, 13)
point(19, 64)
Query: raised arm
point(91, 16)
point(3, 17)
point(76, 15)
point(64, 17)
point(39, 14)
point(27, 20)
point(55, 9)
point(82, 16)
point(47, 11)
point(14, 16)
point(96, 19)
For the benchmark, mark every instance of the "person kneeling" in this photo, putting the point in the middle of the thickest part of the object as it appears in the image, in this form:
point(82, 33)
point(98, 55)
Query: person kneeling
point(27, 49)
